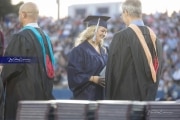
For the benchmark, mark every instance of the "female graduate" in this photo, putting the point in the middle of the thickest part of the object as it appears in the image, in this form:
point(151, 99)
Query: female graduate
point(87, 59)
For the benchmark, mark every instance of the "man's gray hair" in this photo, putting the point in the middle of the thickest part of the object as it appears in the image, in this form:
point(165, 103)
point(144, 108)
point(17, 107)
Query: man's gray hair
point(133, 7)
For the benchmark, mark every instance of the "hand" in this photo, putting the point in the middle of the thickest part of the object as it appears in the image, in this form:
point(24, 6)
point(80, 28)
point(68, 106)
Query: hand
point(98, 80)
point(1, 67)
point(101, 81)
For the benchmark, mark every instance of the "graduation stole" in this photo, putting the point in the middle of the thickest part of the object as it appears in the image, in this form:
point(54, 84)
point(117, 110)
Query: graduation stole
point(1, 43)
point(49, 64)
point(153, 62)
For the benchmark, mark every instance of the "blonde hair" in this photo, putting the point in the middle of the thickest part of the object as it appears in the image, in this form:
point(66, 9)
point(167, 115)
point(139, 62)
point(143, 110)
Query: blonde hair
point(87, 34)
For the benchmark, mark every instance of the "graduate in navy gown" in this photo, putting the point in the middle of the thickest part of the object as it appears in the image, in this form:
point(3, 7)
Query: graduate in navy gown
point(87, 59)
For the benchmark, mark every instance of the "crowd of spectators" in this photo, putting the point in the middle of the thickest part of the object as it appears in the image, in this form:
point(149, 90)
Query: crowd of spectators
point(63, 33)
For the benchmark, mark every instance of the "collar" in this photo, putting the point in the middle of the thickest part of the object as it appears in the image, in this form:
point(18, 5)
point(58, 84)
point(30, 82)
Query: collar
point(32, 25)
point(138, 22)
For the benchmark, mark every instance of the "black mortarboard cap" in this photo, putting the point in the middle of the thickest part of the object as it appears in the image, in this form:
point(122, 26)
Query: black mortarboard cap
point(97, 20)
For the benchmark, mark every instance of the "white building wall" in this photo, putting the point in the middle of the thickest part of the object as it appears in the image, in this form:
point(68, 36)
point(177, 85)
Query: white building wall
point(91, 9)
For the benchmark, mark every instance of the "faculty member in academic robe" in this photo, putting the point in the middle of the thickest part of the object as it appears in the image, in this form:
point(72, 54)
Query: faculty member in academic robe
point(32, 77)
point(135, 58)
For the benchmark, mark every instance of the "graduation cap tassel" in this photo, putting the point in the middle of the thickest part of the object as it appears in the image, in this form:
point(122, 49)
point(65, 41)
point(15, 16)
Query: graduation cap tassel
point(94, 38)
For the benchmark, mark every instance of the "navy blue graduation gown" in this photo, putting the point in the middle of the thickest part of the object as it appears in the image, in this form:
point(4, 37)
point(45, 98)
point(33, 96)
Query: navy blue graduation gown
point(84, 62)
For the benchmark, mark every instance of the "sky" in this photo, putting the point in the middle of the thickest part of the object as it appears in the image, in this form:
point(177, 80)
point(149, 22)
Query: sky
point(49, 8)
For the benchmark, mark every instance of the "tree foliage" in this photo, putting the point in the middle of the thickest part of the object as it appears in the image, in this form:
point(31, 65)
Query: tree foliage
point(6, 7)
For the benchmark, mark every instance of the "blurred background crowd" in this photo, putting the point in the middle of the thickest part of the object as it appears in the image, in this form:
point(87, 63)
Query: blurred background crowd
point(63, 33)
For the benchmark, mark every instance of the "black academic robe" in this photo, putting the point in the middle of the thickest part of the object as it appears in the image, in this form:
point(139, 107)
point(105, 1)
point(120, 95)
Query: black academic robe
point(128, 75)
point(1, 83)
point(25, 81)
point(84, 62)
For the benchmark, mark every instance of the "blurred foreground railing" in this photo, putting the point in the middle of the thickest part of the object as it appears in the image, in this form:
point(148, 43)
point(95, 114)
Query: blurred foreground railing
point(98, 110)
